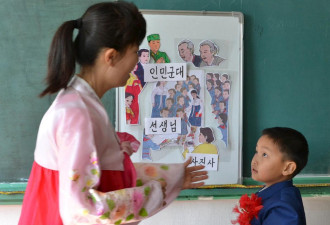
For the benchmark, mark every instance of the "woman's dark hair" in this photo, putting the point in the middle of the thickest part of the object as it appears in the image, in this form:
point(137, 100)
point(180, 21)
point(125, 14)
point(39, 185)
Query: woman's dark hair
point(208, 133)
point(104, 25)
point(291, 143)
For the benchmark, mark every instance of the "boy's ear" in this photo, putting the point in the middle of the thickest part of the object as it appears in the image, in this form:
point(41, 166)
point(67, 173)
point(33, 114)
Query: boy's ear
point(110, 56)
point(289, 168)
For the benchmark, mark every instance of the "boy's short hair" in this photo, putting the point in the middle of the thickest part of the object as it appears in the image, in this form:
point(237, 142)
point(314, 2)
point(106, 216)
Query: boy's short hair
point(291, 143)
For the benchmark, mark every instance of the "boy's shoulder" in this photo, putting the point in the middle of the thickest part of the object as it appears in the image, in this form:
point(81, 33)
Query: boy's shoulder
point(281, 199)
point(282, 191)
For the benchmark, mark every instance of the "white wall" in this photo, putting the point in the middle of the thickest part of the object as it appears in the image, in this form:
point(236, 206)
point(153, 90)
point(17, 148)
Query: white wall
point(210, 212)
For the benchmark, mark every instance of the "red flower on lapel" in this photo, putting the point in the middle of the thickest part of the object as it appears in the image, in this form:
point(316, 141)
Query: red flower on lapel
point(247, 209)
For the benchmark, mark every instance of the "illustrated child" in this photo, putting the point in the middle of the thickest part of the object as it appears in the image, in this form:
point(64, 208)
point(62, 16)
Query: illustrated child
point(177, 87)
point(197, 85)
point(191, 87)
point(216, 77)
point(195, 117)
point(147, 145)
point(224, 77)
point(128, 102)
point(154, 44)
point(225, 95)
point(209, 76)
point(186, 97)
point(217, 98)
point(210, 87)
point(180, 103)
point(226, 85)
point(192, 78)
point(222, 121)
point(186, 82)
point(281, 153)
point(222, 107)
point(184, 125)
point(170, 106)
point(82, 172)
point(164, 112)
point(158, 98)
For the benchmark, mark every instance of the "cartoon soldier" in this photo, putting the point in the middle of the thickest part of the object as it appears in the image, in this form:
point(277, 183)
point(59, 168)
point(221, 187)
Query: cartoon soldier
point(154, 44)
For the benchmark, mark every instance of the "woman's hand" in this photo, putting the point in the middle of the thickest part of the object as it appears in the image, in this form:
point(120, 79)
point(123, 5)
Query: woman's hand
point(163, 185)
point(125, 146)
point(193, 174)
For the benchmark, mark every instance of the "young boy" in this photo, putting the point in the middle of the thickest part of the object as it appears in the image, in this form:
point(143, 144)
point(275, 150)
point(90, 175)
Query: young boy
point(281, 153)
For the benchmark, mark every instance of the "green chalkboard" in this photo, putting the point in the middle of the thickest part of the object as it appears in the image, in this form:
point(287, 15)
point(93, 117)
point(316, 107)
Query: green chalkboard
point(286, 72)
point(26, 30)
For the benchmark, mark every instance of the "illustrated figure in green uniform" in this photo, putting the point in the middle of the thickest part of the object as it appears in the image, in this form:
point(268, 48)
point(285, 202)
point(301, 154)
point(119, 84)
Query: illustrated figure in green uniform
point(154, 44)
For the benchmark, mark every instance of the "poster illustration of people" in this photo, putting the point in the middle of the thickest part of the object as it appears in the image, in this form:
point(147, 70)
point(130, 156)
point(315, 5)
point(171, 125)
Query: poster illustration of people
point(182, 98)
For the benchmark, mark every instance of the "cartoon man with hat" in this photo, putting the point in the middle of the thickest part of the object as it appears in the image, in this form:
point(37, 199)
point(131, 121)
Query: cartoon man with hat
point(154, 44)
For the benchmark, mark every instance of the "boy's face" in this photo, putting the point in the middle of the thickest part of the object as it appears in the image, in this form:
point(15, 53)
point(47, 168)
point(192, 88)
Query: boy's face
point(268, 163)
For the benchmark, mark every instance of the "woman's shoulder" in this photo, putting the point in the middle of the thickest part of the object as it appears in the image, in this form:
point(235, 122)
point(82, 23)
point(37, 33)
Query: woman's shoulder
point(68, 99)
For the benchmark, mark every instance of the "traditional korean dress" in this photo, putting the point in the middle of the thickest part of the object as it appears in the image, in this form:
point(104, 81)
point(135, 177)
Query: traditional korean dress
point(81, 176)
point(195, 117)
point(133, 86)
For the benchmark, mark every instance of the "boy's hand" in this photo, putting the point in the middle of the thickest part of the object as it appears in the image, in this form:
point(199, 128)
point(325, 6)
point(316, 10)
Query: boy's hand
point(193, 174)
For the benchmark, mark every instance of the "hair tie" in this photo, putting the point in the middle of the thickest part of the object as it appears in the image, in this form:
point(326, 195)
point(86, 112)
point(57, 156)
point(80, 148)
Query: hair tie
point(77, 23)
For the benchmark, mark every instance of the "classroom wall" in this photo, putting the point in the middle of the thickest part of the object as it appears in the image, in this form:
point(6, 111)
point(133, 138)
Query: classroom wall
point(200, 212)
point(286, 72)
point(286, 50)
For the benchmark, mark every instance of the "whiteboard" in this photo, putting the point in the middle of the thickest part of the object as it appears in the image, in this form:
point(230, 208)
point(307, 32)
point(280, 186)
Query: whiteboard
point(225, 29)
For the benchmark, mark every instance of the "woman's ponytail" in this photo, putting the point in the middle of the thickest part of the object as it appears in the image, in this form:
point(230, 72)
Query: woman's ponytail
point(61, 58)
